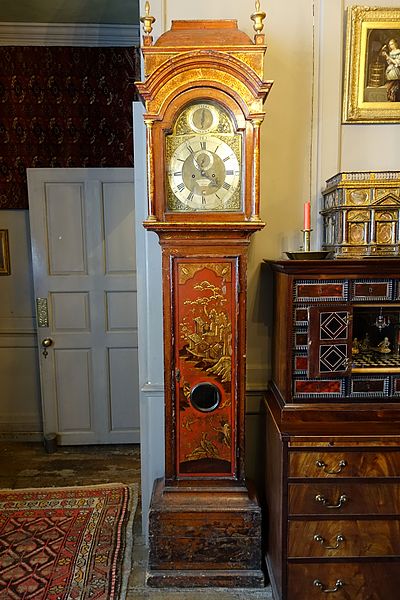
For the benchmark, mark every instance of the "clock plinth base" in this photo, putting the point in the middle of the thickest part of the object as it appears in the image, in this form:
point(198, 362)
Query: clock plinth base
point(204, 536)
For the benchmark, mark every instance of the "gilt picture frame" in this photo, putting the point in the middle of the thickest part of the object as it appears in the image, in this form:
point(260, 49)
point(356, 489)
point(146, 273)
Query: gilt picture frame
point(371, 92)
point(5, 268)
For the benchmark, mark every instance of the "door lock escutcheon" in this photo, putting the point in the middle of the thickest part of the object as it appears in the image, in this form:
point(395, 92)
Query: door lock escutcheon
point(46, 343)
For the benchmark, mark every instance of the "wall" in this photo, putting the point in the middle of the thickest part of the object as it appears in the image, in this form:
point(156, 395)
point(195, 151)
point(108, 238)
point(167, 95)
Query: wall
point(20, 415)
point(63, 107)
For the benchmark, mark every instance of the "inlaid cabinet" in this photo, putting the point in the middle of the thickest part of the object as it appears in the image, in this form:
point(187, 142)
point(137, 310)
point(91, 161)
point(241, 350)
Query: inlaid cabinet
point(332, 435)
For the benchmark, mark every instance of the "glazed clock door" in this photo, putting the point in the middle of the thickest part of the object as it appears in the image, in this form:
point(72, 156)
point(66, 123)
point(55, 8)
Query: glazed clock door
point(329, 342)
point(205, 300)
point(204, 156)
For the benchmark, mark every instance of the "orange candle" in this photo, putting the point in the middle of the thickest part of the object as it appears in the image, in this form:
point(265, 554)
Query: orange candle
point(307, 216)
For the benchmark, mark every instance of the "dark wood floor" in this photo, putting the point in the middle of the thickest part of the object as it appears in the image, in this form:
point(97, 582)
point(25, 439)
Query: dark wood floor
point(24, 465)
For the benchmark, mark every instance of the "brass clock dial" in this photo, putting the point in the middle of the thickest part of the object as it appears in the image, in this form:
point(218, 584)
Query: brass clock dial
point(204, 161)
point(204, 173)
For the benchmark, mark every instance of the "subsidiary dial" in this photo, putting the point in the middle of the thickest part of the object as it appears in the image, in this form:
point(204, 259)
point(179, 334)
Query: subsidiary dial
point(204, 173)
point(202, 118)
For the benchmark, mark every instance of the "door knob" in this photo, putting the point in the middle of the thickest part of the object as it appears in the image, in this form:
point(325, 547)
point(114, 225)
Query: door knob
point(46, 343)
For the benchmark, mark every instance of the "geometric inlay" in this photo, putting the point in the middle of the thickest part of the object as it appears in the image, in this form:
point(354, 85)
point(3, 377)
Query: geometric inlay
point(333, 358)
point(333, 325)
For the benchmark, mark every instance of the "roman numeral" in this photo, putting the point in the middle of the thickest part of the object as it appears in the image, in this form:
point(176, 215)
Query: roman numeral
point(190, 196)
point(190, 149)
point(181, 187)
point(230, 172)
point(178, 174)
point(203, 145)
point(226, 186)
point(227, 157)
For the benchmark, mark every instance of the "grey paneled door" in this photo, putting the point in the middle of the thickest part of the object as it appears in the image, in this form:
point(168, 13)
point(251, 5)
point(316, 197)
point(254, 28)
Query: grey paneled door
point(84, 268)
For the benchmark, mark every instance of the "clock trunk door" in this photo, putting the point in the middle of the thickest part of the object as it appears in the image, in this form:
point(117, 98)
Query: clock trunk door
point(205, 312)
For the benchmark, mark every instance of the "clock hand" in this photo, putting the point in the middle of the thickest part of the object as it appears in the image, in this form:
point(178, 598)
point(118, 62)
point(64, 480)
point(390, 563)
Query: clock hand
point(213, 180)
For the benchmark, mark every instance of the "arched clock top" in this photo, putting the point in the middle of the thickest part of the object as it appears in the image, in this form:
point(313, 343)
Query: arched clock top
point(213, 68)
point(203, 92)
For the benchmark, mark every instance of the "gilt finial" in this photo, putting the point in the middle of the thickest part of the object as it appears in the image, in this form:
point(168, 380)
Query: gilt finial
point(258, 17)
point(147, 20)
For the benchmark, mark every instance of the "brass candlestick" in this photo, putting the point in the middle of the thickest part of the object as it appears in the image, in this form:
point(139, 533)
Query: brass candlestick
point(305, 253)
point(306, 239)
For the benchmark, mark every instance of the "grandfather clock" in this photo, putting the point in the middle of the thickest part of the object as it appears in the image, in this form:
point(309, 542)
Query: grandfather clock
point(204, 93)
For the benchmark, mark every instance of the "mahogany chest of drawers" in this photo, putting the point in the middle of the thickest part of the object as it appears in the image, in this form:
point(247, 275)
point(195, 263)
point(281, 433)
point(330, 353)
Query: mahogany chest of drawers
point(332, 435)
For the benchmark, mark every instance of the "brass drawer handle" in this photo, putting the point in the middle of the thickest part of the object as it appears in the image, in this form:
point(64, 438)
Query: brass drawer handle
point(342, 500)
point(338, 585)
point(342, 464)
point(339, 540)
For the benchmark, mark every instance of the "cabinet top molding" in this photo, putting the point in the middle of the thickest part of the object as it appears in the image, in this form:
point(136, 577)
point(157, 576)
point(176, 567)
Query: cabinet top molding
point(348, 267)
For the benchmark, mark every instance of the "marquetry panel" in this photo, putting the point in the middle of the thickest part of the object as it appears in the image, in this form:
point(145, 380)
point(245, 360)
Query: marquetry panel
point(329, 335)
point(362, 498)
point(344, 538)
point(119, 228)
point(344, 464)
point(300, 340)
point(375, 580)
point(300, 364)
point(65, 228)
point(73, 370)
point(301, 315)
point(70, 311)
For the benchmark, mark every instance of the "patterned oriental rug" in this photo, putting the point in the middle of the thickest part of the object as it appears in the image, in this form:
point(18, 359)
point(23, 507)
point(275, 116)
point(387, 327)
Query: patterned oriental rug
point(66, 543)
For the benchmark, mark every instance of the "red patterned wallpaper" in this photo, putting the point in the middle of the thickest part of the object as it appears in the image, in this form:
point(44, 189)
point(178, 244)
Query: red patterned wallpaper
point(63, 107)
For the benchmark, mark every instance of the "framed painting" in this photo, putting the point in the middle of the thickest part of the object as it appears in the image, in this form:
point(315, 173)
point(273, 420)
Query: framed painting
point(4, 253)
point(372, 68)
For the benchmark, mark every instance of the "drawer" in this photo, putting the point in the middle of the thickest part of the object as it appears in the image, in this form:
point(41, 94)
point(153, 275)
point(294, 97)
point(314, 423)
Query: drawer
point(353, 581)
point(371, 387)
point(321, 498)
point(322, 388)
point(344, 464)
point(360, 498)
point(372, 290)
point(320, 290)
point(344, 538)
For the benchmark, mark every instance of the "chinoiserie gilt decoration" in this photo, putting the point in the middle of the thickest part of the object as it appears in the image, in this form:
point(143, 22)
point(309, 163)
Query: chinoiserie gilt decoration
point(203, 91)
point(361, 212)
